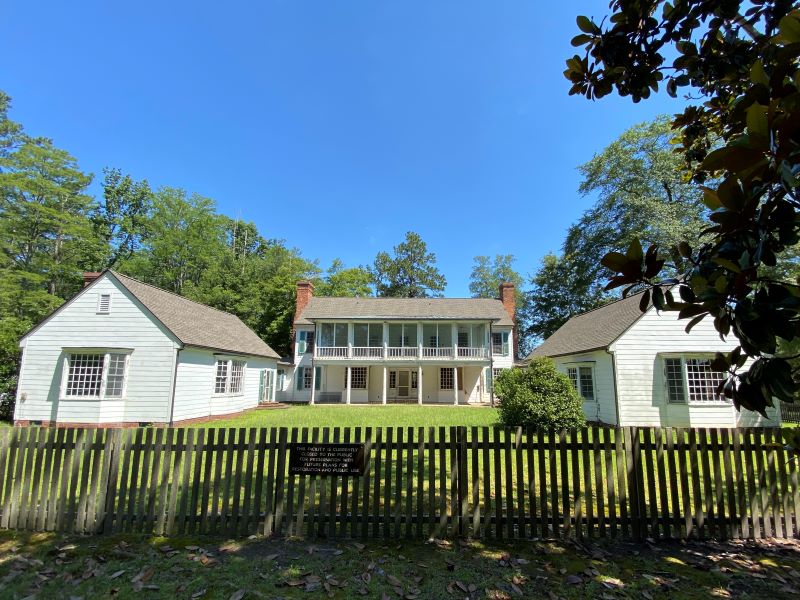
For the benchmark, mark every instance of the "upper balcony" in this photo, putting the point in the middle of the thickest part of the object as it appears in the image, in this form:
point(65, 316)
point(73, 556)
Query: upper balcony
point(402, 353)
point(405, 341)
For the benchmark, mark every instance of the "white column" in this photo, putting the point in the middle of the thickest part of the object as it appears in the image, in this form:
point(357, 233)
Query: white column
point(419, 342)
point(419, 385)
point(385, 331)
point(454, 334)
point(383, 398)
point(349, 382)
point(313, 380)
point(350, 341)
point(455, 386)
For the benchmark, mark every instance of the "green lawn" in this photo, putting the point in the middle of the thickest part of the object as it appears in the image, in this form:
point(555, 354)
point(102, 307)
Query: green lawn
point(363, 416)
point(53, 566)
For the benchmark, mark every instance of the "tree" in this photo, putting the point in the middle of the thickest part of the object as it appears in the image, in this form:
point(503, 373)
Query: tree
point(488, 273)
point(410, 273)
point(743, 141)
point(46, 237)
point(641, 194)
point(559, 292)
point(121, 217)
point(185, 238)
point(538, 396)
point(345, 282)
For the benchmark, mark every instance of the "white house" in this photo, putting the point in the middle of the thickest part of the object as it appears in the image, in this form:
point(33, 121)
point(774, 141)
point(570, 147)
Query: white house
point(125, 353)
point(634, 368)
point(405, 350)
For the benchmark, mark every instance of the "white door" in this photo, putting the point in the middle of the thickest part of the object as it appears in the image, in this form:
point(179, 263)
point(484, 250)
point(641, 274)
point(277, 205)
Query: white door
point(403, 385)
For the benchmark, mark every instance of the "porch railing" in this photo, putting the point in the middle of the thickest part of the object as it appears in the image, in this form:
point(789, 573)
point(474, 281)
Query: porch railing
point(367, 351)
point(472, 352)
point(402, 352)
point(437, 352)
point(332, 351)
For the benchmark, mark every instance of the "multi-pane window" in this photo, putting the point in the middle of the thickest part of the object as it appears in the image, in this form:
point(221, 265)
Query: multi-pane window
point(308, 376)
point(281, 379)
point(221, 378)
point(692, 380)
point(582, 379)
point(267, 386)
point(358, 378)
point(95, 375)
point(305, 342)
point(392, 379)
point(229, 376)
point(446, 378)
point(500, 343)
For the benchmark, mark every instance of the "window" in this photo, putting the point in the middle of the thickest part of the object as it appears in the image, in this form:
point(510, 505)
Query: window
point(229, 376)
point(95, 375)
point(267, 392)
point(333, 334)
point(358, 378)
point(104, 304)
point(305, 342)
point(692, 379)
point(446, 378)
point(308, 376)
point(281, 379)
point(500, 343)
point(392, 379)
point(414, 380)
point(437, 335)
point(582, 379)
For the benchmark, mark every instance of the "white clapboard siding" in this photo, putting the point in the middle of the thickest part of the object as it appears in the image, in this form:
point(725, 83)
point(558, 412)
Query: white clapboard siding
point(194, 385)
point(78, 325)
point(603, 383)
point(640, 376)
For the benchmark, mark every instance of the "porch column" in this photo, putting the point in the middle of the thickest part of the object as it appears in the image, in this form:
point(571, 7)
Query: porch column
point(313, 381)
point(349, 383)
point(419, 340)
point(454, 333)
point(455, 386)
point(419, 385)
point(383, 398)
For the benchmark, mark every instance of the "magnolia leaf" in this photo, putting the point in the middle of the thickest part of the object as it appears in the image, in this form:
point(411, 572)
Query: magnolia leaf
point(758, 74)
point(634, 252)
point(616, 261)
point(585, 24)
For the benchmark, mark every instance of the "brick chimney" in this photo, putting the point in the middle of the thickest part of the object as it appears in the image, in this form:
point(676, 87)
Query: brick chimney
point(89, 277)
point(509, 300)
point(305, 291)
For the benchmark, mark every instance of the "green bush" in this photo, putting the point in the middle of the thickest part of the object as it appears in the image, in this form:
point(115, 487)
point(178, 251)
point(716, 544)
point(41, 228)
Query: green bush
point(538, 396)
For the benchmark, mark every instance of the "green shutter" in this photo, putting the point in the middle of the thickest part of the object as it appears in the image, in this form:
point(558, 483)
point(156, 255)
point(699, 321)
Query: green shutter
point(317, 377)
point(301, 342)
point(261, 385)
point(299, 372)
point(489, 381)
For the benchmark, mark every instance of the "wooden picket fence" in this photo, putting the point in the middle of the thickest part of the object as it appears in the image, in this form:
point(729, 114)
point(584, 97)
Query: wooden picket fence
point(419, 482)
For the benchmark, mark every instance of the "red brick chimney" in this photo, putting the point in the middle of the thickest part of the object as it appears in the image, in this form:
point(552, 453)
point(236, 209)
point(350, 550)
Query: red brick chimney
point(509, 299)
point(305, 291)
point(89, 277)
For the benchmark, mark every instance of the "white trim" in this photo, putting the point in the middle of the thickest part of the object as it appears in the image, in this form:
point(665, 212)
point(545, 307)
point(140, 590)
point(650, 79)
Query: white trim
point(106, 353)
point(683, 356)
point(228, 376)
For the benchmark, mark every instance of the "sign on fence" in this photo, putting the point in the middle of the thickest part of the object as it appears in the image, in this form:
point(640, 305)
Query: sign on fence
point(326, 459)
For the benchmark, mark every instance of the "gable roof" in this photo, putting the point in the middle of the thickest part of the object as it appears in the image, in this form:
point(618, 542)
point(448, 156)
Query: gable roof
point(464, 309)
point(593, 330)
point(196, 324)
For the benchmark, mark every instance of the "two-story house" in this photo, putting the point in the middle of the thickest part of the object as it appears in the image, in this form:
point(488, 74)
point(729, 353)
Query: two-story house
point(397, 350)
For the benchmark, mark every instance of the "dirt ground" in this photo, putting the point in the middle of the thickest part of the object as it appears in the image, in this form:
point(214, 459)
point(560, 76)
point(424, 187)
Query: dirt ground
point(58, 566)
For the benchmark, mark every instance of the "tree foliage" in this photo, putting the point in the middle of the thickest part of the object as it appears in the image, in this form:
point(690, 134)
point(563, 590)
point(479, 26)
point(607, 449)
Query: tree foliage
point(559, 290)
point(538, 396)
point(489, 272)
point(410, 272)
point(641, 193)
point(742, 140)
point(343, 282)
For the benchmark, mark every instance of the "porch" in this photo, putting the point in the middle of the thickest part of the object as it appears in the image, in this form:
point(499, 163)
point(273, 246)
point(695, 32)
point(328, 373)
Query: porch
point(436, 384)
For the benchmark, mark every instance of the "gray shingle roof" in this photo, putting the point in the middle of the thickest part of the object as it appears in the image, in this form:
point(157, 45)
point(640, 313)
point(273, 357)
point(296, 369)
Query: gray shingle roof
point(593, 330)
point(196, 324)
point(466, 309)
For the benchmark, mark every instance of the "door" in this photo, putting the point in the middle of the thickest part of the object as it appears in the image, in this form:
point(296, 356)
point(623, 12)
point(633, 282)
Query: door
point(403, 385)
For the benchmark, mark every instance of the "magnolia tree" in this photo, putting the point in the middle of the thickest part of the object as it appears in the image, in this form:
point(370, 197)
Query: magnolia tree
point(740, 139)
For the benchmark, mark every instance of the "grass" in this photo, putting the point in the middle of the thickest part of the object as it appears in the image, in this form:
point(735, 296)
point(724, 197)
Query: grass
point(363, 416)
point(53, 566)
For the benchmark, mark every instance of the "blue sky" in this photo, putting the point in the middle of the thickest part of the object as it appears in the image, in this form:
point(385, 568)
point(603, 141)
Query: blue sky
point(336, 126)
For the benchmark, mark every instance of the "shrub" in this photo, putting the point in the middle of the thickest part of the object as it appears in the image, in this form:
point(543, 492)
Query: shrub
point(538, 396)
